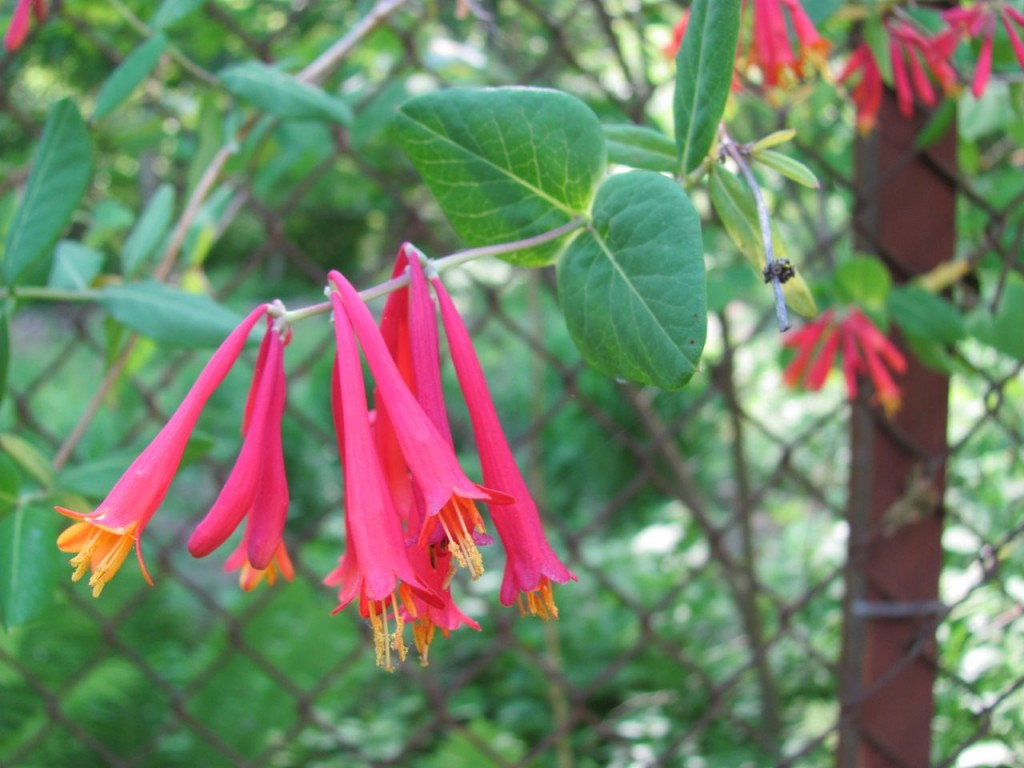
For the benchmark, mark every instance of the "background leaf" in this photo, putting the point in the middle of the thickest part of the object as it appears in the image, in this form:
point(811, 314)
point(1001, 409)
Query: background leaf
point(169, 315)
point(925, 315)
point(282, 95)
point(640, 147)
point(10, 483)
point(74, 266)
point(505, 163)
point(132, 71)
point(704, 67)
point(1005, 329)
point(28, 560)
point(863, 280)
point(149, 231)
point(60, 175)
point(632, 286)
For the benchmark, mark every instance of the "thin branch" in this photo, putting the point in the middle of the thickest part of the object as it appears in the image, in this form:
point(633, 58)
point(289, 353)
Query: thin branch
point(730, 148)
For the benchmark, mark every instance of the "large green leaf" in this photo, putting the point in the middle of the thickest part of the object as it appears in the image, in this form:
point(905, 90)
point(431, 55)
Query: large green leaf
point(735, 206)
point(505, 163)
point(169, 315)
point(633, 287)
point(132, 71)
point(704, 67)
point(640, 147)
point(28, 560)
point(279, 94)
point(60, 175)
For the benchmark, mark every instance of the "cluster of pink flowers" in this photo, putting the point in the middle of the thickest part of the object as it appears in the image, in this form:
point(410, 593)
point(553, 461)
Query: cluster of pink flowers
point(921, 62)
point(410, 510)
point(865, 352)
point(780, 60)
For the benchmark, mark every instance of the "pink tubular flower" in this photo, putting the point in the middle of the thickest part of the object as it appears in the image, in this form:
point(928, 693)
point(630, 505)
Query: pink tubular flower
point(447, 494)
point(17, 30)
point(257, 488)
point(980, 21)
point(865, 351)
point(771, 49)
point(867, 93)
point(103, 538)
point(375, 566)
point(916, 61)
point(531, 564)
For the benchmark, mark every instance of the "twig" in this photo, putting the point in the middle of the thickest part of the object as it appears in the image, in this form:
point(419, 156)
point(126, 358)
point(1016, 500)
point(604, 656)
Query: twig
point(730, 148)
point(327, 61)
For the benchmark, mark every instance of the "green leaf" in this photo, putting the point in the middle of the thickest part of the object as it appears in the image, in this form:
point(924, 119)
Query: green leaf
point(28, 564)
point(1004, 330)
point(792, 169)
point(924, 314)
point(633, 287)
point(132, 71)
point(736, 208)
point(5, 349)
point(505, 163)
point(109, 217)
point(60, 175)
point(704, 67)
point(149, 231)
point(877, 38)
point(75, 266)
point(864, 281)
point(640, 147)
point(171, 12)
point(280, 94)
point(10, 484)
point(29, 458)
point(169, 315)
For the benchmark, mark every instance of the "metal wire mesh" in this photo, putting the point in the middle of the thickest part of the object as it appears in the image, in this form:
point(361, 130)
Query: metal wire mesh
point(707, 527)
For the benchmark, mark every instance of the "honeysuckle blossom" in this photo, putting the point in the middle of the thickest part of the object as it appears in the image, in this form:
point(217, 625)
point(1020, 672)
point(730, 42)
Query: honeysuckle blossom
point(979, 21)
point(771, 49)
point(862, 70)
point(103, 538)
point(865, 352)
point(17, 30)
point(916, 61)
point(678, 31)
point(531, 565)
point(256, 489)
point(449, 497)
point(374, 567)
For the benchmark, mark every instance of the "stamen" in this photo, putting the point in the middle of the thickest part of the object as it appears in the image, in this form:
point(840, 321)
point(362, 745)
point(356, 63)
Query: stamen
point(397, 640)
point(112, 560)
point(465, 550)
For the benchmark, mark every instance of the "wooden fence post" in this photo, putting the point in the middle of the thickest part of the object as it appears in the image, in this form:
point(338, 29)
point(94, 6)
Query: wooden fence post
point(905, 214)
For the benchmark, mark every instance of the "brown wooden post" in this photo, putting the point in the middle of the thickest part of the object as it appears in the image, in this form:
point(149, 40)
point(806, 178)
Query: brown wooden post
point(905, 214)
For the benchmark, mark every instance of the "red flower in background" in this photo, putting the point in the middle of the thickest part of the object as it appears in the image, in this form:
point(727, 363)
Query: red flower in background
point(862, 69)
point(980, 21)
point(865, 352)
point(256, 489)
point(678, 31)
point(17, 30)
point(772, 50)
point(103, 538)
point(916, 61)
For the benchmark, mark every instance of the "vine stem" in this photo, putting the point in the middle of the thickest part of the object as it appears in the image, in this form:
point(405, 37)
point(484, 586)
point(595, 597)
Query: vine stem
point(440, 265)
point(732, 149)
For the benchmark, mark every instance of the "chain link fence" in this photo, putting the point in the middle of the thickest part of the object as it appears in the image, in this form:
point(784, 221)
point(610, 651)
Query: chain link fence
point(710, 528)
